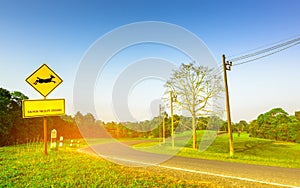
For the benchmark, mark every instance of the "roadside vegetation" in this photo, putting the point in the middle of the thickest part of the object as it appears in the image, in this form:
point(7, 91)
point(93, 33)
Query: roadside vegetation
point(272, 139)
point(275, 124)
point(247, 150)
point(26, 166)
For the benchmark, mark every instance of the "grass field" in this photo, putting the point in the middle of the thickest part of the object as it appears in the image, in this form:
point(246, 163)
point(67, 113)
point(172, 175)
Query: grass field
point(26, 166)
point(247, 150)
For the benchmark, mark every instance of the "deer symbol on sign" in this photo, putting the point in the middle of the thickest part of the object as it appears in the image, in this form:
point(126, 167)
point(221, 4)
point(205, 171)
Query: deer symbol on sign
point(46, 80)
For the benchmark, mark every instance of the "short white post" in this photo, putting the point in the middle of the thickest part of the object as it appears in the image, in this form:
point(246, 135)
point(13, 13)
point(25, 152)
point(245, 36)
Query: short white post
point(53, 139)
point(71, 144)
point(61, 141)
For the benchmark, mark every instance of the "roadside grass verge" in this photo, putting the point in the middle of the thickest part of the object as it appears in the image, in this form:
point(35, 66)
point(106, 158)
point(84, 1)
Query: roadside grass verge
point(27, 166)
point(247, 150)
point(94, 141)
point(86, 142)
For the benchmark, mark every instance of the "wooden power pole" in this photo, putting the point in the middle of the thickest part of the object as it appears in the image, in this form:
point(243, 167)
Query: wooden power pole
point(162, 116)
point(172, 119)
point(164, 129)
point(227, 66)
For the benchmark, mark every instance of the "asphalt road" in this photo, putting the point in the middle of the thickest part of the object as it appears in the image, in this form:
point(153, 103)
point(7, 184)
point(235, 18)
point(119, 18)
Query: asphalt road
point(232, 172)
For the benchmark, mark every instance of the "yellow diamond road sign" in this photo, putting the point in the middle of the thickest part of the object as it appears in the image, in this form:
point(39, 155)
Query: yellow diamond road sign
point(44, 80)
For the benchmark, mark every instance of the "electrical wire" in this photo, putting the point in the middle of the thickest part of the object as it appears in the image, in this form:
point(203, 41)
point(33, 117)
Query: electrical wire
point(266, 50)
point(217, 71)
point(274, 52)
point(262, 47)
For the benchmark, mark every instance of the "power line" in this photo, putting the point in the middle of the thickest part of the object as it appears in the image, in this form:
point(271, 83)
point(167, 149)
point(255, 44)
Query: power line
point(217, 70)
point(281, 45)
point(282, 49)
point(263, 47)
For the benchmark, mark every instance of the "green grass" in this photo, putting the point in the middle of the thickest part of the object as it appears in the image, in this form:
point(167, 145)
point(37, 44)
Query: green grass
point(247, 150)
point(95, 141)
point(27, 166)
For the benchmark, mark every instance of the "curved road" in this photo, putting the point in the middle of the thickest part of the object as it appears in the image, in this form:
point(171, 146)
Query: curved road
point(233, 172)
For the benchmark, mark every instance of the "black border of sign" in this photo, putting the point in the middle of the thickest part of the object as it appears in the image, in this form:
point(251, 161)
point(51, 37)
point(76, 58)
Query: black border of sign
point(39, 69)
point(60, 114)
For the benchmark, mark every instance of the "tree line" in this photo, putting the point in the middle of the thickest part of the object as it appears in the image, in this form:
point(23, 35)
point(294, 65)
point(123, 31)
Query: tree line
point(16, 130)
point(275, 124)
point(154, 128)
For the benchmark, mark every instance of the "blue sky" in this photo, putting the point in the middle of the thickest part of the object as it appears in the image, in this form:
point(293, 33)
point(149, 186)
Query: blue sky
point(59, 33)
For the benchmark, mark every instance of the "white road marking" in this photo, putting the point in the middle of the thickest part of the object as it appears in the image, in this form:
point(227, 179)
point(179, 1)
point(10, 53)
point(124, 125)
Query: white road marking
point(196, 171)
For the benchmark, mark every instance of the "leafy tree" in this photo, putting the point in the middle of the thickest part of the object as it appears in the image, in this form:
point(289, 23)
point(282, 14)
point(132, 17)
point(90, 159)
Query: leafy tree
point(111, 127)
point(6, 119)
point(297, 115)
point(20, 130)
point(213, 123)
point(195, 87)
point(89, 119)
point(79, 118)
point(276, 124)
point(253, 128)
point(17, 97)
point(184, 123)
point(241, 126)
point(68, 118)
point(12, 124)
point(89, 127)
point(270, 122)
point(293, 131)
point(202, 123)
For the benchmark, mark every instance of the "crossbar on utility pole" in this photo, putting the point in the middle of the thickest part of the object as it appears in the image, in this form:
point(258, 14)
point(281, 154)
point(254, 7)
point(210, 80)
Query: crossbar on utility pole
point(227, 66)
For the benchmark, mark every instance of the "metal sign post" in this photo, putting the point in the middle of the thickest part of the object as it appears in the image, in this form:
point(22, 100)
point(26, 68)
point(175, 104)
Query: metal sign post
point(45, 134)
point(44, 80)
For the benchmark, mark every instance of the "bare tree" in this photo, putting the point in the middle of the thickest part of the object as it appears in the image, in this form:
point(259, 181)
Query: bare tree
point(195, 87)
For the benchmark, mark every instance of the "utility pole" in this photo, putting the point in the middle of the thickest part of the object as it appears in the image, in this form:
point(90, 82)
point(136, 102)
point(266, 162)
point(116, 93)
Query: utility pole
point(227, 67)
point(164, 128)
point(159, 128)
point(172, 120)
point(162, 115)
